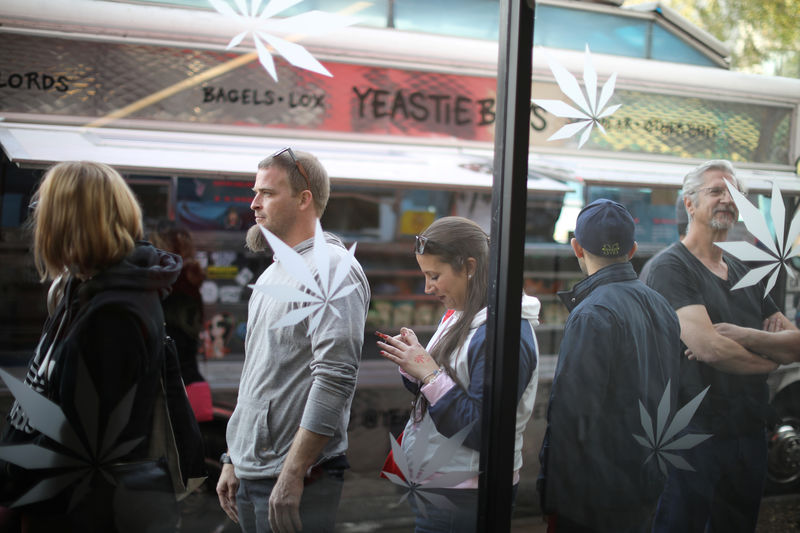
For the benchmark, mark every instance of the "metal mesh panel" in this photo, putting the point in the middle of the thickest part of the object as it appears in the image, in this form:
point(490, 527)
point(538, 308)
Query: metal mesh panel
point(81, 81)
point(696, 128)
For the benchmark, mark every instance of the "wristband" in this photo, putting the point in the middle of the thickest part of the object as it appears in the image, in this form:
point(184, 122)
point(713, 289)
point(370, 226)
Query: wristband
point(433, 375)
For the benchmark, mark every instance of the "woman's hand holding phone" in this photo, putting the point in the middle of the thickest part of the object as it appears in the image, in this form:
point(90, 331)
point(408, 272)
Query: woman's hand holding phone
point(406, 352)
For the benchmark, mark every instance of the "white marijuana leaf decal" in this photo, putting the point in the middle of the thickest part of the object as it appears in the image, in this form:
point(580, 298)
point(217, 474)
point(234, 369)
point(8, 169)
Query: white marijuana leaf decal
point(319, 293)
point(779, 249)
point(657, 438)
point(256, 22)
point(592, 109)
point(417, 472)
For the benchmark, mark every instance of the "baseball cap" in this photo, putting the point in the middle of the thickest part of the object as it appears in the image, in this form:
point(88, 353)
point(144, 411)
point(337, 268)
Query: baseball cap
point(605, 228)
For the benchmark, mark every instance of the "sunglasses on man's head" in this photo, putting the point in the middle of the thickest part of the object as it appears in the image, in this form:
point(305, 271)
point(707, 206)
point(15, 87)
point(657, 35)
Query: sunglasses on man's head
point(297, 163)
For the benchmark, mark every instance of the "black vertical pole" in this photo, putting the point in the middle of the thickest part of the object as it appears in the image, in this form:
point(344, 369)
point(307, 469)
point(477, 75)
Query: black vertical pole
point(509, 199)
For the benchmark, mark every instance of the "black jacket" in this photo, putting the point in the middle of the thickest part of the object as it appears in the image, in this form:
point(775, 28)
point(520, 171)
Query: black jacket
point(620, 348)
point(107, 338)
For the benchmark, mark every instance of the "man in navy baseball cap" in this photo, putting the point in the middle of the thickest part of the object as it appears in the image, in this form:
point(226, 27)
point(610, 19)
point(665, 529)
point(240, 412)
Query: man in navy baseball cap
point(617, 356)
point(605, 229)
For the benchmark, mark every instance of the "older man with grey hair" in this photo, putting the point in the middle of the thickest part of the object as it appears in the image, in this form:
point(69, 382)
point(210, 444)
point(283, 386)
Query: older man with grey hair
point(696, 277)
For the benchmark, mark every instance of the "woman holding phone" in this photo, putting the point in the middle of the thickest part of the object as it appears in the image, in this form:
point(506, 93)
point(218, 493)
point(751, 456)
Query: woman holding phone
point(447, 376)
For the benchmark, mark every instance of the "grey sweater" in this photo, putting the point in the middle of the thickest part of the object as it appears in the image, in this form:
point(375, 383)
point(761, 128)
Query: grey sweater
point(294, 379)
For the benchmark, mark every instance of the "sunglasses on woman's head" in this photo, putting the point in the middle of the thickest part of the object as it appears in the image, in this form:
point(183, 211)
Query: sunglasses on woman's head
point(419, 244)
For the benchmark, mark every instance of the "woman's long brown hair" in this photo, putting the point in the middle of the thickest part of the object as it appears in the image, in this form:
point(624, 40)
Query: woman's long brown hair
point(453, 240)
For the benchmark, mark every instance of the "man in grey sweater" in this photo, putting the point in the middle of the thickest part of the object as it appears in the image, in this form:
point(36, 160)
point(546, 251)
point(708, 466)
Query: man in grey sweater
point(288, 434)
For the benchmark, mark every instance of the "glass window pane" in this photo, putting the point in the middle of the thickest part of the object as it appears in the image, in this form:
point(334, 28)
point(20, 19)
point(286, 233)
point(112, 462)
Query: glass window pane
point(669, 47)
point(572, 29)
point(384, 220)
point(476, 19)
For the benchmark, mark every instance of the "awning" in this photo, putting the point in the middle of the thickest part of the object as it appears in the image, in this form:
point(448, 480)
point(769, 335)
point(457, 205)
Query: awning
point(365, 163)
point(214, 155)
point(593, 170)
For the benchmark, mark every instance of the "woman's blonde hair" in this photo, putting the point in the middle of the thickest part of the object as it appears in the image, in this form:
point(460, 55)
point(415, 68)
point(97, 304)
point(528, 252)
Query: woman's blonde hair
point(85, 218)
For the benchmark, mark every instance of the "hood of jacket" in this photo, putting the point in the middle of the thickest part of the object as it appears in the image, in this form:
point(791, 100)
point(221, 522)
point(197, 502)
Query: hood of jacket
point(145, 268)
point(529, 311)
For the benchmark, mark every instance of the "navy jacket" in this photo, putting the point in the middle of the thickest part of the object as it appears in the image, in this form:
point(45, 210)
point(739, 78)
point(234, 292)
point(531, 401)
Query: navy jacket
point(620, 348)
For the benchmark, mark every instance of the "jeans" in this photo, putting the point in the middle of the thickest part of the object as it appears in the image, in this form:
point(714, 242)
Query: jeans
point(724, 493)
point(318, 505)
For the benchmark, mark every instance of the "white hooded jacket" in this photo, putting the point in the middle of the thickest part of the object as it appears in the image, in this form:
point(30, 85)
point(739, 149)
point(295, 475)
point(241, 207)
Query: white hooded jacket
point(453, 408)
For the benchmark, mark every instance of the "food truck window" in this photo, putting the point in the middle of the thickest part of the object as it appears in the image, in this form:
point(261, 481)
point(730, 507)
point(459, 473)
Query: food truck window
point(214, 204)
point(360, 214)
point(22, 311)
point(653, 209)
point(16, 189)
point(154, 195)
point(419, 208)
point(543, 211)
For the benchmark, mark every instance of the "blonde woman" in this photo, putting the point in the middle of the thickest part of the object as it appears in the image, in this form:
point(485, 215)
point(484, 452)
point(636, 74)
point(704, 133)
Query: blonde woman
point(100, 357)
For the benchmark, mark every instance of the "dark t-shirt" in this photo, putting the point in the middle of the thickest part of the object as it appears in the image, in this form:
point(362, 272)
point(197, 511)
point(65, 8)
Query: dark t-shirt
point(735, 404)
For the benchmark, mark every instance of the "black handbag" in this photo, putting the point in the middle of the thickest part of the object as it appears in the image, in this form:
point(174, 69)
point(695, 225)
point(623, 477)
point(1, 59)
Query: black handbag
point(176, 435)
